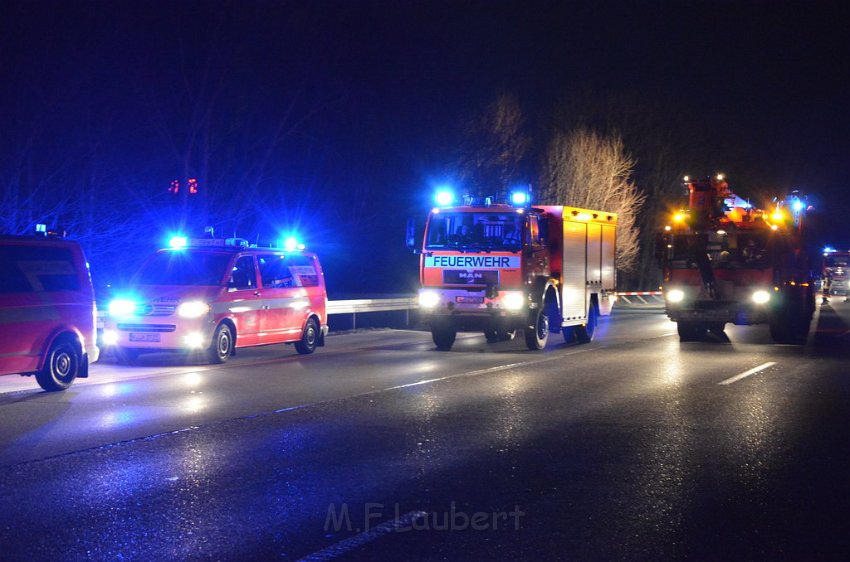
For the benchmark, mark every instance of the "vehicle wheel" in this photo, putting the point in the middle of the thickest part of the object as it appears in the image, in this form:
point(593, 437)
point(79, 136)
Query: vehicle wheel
point(494, 336)
point(584, 333)
point(569, 334)
point(221, 347)
point(443, 335)
point(791, 322)
point(61, 367)
point(691, 331)
point(537, 332)
point(790, 329)
point(125, 355)
point(507, 335)
point(310, 339)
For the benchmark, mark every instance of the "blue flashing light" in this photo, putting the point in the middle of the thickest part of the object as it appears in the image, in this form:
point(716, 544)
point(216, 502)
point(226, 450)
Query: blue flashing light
point(122, 307)
point(828, 249)
point(178, 242)
point(444, 197)
point(291, 244)
point(797, 206)
point(519, 198)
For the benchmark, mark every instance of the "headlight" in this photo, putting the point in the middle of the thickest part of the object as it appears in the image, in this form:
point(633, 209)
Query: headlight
point(121, 307)
point(761, 297)
point(675, 295)
point(514, 300)
point(429, 299)
point(192, 309)
point(194, 340)
point(110, 337)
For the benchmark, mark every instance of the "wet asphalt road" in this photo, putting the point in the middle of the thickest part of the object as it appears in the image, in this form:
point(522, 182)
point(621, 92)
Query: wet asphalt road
point(379, 447)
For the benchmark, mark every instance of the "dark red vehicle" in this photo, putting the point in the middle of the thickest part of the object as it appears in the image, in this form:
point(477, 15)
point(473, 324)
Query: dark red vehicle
point(47, 310)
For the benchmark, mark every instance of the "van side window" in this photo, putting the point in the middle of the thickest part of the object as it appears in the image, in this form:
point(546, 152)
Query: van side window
point(274, 271)
point(25, 269)
point(243, 276)
point(304, 270)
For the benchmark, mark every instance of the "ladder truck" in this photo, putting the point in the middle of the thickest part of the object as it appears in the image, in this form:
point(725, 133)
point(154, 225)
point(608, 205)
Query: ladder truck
point(726, 261)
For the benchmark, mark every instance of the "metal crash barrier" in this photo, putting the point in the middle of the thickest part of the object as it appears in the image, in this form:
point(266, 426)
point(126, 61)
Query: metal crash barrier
point(640, 298)
point(364, 306)
point(360, 306)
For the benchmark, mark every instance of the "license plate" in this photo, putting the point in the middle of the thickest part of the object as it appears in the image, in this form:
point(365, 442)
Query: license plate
point(470, 300)
point(144, 337)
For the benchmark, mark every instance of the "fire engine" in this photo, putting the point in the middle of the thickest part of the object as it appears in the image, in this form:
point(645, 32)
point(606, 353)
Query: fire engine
point(498, 268)
point(835, 273)
point(724, 260)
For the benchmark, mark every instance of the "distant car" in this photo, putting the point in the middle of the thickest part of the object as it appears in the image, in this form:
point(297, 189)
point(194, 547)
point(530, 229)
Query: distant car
point(47, 310)
point(216, 296)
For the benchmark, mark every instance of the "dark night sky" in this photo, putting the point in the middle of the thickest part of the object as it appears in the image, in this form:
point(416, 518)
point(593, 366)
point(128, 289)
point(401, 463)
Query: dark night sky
point(382, 87)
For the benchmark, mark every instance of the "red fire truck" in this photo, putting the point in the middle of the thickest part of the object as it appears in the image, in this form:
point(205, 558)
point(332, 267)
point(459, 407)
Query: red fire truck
point(835, 273)
point(724, 260)
point(497, 268)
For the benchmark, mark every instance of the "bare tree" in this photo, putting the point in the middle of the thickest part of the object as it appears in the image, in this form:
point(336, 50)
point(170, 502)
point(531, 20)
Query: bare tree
point(585, 169)
point(495, 147)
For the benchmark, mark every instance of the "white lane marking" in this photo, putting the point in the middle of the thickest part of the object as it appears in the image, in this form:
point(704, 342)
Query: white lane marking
point(344, 547)
point(745, 374)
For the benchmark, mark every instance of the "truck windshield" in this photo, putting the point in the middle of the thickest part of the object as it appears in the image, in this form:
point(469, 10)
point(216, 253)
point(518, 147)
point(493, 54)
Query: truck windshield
point(183, 267)
point(479, 231)
point(734, 250)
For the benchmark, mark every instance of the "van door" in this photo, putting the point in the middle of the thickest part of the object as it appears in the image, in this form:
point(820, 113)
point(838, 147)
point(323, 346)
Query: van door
point(243, 301)
point(282, 294)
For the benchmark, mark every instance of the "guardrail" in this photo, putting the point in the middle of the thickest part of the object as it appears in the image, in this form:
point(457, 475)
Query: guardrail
point(370, 305)
point(363, 306)
point(635, 298)
point(359, 306)
point(353, 307)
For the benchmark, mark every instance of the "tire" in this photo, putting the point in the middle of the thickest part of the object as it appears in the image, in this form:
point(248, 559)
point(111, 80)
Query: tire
point(221, 347)
point(789, 329)
point(494, 336)
point(585, 332)
point(310, 338)
point(507, 335)
point(569, 334)
point(443, 335)
point(61, 366)
point(717, 327)
point(125, 355)
point(691, 331)
point(790, 324)
point(537, 331)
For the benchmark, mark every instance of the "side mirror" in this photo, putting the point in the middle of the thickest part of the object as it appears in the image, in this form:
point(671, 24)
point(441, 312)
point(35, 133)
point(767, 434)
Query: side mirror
point(413, 237)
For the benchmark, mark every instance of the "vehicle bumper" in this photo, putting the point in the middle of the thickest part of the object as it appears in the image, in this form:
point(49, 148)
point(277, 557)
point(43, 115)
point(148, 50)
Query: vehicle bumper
point(720, 312)
point(167, 334)
point(474, 310)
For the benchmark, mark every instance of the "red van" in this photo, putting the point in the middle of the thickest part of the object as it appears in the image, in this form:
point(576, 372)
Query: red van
point(47, 310)
point(217, 295)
